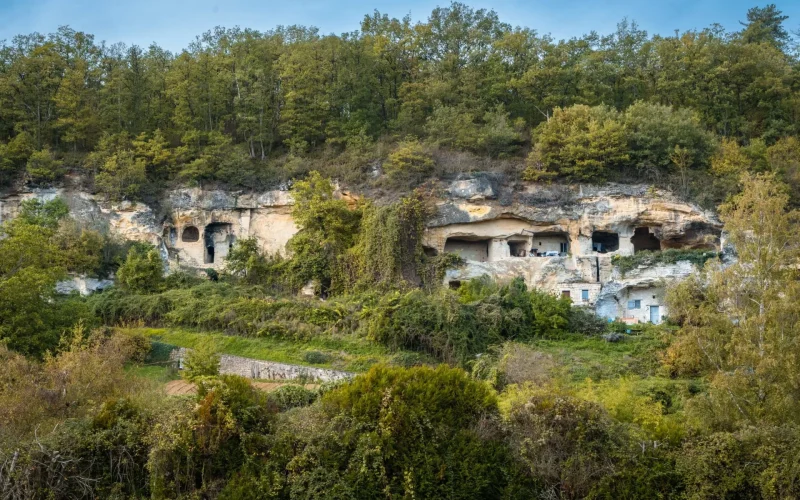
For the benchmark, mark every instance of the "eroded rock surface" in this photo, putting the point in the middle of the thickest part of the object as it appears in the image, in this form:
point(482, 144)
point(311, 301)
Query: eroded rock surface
point(558, 238)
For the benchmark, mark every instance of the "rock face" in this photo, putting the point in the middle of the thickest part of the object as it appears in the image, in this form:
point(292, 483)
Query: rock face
point(558, 238)
point(203, 225)
point(563, 238)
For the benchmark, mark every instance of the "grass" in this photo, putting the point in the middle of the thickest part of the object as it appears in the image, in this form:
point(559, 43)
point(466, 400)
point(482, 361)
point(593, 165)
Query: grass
point(585, 357)
point(351, 354)
point(155, 373)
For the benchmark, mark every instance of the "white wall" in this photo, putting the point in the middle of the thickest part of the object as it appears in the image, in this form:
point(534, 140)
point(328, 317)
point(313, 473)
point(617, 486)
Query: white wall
point(648, 298)
point(549, 243)
point(469, 250)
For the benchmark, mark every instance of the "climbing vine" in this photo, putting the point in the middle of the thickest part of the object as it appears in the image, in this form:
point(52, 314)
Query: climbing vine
point(388, 252)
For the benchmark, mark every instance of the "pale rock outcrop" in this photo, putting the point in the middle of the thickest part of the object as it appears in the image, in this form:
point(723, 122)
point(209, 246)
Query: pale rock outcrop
point(567, 234)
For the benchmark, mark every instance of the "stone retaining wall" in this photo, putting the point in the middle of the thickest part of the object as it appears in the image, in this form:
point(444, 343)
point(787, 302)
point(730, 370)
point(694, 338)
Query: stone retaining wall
point(257, 369)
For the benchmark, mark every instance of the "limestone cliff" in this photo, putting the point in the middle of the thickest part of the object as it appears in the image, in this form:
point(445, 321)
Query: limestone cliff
point(559, 238)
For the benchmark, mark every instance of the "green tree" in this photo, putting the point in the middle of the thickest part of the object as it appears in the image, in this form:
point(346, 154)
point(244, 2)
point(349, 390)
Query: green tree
point(142, 271)
point(328, 227)
point(122, 176)
point(201, 361)
point(409, 162)
point(581, 143)
point(739, 326)
point(765, 25)
point(43, 167)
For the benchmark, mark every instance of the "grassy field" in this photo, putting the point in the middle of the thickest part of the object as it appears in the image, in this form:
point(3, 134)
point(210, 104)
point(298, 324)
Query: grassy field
point(351, 354)
point(593, 357)
point(155, 373)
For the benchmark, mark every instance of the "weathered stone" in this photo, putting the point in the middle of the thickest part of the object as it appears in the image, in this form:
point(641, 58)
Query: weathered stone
point(267, 370)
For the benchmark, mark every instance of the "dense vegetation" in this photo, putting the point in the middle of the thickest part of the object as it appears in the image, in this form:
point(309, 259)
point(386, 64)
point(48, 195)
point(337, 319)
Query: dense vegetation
point(241, 107)
point(490, 390)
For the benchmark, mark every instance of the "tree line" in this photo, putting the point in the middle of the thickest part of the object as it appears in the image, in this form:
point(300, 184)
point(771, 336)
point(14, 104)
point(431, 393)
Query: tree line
point(239, 103)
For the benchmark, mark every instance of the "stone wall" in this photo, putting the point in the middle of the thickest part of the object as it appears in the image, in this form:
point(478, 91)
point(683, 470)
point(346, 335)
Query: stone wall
point(267, 370)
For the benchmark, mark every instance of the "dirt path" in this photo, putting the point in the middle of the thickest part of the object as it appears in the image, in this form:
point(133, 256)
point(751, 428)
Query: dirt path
point(183, 387)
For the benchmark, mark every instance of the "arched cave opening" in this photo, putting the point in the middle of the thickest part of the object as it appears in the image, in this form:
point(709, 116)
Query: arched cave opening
point(643, 239)
point(190, 234)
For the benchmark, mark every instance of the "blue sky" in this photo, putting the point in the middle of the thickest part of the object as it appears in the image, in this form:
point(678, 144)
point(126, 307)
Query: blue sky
point(174, 23)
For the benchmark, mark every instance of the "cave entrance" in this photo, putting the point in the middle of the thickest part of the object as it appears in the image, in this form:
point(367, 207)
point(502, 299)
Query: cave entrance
point(218, 241)
point(468, 248)
point(190, 234)
point(550, 243)
point(605, 241)
point(518, 248)
point(643, 240)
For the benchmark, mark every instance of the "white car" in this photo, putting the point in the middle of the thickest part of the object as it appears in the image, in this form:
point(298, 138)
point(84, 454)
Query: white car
point(551, 253)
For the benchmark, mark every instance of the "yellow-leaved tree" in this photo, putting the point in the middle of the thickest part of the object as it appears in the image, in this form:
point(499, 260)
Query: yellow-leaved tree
point(740, 322)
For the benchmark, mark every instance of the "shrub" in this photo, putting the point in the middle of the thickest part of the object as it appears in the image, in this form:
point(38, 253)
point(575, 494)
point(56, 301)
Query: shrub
point(409, 162)
point(292, 396)
point(142, 271)
point(43, 167)
point(395, 431)
point(202, 361)
point(566, 443)
point(316, 357)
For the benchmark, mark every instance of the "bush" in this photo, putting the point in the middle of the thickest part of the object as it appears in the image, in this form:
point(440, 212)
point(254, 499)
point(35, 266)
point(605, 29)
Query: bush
point(142, 271)
point(566, 443)
point(292, 396)
point(43, 167)
point(579, 143)
point(316, 357)
point(202, 361)
point(409, 163)
point(395, 431)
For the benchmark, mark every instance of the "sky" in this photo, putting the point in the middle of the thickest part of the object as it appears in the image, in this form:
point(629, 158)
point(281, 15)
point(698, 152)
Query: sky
point(173, 24)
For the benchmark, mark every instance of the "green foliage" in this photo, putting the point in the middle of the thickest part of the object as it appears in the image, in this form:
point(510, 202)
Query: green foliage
point(567, 443)
point(755, 462)
point(738, 321)
point(388, 253)
point(45, 214)
point(42, 167)
point(327, 229)
point(194, 452)
point(655, 131)
point(291, 396)
point(648, 258)
point(580, 143)
point(409, 163)
point(142, 271)
point(201, 361)
point(246, 262)
point(421, 430)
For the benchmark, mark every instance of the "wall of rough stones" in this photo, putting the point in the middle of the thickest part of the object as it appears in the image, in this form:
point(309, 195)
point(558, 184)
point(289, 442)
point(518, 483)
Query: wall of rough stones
point(267, 370)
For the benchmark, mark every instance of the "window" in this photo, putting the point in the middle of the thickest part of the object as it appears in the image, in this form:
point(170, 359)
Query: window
point(585, 295)
point(565, 294)
point(634, 304)
point(563, 247)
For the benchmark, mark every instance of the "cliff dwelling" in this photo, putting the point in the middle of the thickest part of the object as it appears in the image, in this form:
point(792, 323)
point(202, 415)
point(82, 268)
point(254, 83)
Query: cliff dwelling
point(218, 241)
point(468, 248)
point(190, 234)
point(518, 248)
point(550, 243)
point(643, 239)
point(604, 242)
